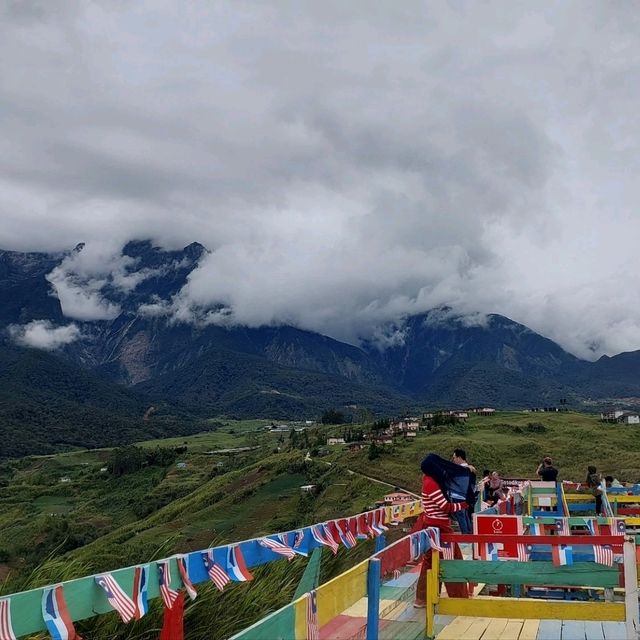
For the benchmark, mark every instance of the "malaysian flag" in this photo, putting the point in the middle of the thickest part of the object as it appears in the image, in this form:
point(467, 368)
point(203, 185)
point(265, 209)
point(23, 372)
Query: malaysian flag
point(117, 598)
point(617, 527)
point(278, 547)
point(347, 537)
point(381, 519)
point(603, 554)
point(56, 615)
point(298, 541)
point(362, 529)
point(433, 537)
point(313, 633)
point(523, 552)
point(535, 529)
point(562, 554)
point(140, 590)
point(414, 541)
point(562, 526)
point(321, 535)
point(183, 568)
point(168, 594)
point(448, 551)
point(6, 630)
point(215, 572)
point(376, 527)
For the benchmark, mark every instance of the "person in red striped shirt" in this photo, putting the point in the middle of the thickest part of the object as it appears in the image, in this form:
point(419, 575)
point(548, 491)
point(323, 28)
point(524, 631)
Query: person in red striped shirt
point(436, 510)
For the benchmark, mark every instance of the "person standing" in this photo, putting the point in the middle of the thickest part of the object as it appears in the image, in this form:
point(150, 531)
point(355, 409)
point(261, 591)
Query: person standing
point(594, 480)
point(546, 470)
point(435, 513)
point(463, 518)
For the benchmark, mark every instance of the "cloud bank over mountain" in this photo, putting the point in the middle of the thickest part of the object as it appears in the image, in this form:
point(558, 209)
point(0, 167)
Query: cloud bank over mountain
point(345, 164)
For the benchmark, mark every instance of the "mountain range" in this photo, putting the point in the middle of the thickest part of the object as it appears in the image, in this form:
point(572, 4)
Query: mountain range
point(57, 359)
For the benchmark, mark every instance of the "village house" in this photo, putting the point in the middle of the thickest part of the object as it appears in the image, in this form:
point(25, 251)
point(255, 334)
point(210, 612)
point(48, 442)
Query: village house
point(621, 417)
point(397, 497)
point(334, 441)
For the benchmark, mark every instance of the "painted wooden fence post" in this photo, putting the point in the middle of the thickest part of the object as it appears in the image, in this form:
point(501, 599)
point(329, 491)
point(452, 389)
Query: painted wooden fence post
point(373, 599)
point(380, 543)
point(630, 589)
point(433, 593)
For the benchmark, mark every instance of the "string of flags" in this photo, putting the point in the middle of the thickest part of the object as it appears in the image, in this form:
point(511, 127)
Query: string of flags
point(220, 565)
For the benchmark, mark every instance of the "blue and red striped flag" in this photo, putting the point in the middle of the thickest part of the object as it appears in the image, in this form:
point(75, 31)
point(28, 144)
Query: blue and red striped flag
point(6, 629)
point(117, 598)
point(183, 568)
point(140, 590)
point(236, 567)
point(216, 573)
point(313, 632)
point(278, 547)
point(168, 594)
point(56, 615)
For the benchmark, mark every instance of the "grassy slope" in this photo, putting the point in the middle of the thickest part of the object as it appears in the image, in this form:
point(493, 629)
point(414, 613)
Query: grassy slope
point(504, 443)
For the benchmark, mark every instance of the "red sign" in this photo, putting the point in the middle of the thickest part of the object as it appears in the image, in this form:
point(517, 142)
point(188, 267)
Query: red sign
point(499, 526)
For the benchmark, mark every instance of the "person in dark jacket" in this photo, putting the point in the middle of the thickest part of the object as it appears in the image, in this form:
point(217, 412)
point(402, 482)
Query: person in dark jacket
point(546, 470)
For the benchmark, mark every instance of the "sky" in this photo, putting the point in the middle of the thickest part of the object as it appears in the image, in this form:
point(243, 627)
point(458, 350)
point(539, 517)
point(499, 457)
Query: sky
point(346, 164)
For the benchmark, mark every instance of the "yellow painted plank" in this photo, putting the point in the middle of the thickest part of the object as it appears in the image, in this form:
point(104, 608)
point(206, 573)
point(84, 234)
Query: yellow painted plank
point(455, 629)
point(300, 613)
point(495, 628)
point(476, 630)
point(529, 630)
point(340, 593)
point(512, 629)
point(530, 608)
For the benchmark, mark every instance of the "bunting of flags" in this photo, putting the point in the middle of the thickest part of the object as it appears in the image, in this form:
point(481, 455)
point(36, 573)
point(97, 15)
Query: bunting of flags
point(313, 633)
point(278, 547)
point(140, 591)
point(215, 572)
point(117, 598)
point(56, 615)
point(333, 533)
point(181, 561)
point(6, 629)
point(562, 526)
point(168, 594)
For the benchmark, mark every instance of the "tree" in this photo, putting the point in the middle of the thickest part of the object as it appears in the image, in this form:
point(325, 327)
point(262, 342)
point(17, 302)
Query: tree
point(332, 416)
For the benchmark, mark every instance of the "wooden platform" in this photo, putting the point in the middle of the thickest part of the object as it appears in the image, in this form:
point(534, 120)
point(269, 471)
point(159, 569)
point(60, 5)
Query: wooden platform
point(464, 628)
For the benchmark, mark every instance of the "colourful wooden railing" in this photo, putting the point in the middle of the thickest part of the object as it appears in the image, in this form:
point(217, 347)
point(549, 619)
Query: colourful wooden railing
point(513, 572)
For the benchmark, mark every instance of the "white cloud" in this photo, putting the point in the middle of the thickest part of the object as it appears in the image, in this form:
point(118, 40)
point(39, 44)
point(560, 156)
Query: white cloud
point(41, 334)
point(347, 164)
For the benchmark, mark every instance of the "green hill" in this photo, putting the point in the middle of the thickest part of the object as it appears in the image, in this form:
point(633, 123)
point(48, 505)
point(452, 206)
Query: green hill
point(48, 404)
